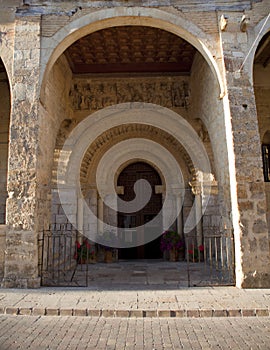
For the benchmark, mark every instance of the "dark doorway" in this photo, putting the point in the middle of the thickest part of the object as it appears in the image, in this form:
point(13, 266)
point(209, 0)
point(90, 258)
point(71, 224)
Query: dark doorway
point(127, 179)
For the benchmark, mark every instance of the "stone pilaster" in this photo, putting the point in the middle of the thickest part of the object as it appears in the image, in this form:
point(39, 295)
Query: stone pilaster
point(21, 262)
point(197, 189)
point(247, 186)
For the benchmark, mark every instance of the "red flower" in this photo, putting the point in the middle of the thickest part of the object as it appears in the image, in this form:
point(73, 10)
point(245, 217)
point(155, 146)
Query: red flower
point(190, 252)
point(78, 245)
point(87, 244)
point(201, 248)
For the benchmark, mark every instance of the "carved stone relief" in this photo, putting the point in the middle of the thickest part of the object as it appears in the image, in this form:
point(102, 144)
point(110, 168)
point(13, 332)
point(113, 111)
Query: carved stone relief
point(93, 94)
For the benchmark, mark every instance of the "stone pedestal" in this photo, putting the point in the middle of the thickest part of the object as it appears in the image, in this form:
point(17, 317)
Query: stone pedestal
point(21, 260)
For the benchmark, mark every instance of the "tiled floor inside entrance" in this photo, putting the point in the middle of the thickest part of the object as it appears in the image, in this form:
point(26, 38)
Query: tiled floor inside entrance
point(146, 274)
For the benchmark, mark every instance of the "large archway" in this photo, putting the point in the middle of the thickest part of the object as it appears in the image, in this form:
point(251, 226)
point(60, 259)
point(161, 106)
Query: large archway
point(5, 107)
point(261, 74)
point(141, 81)
point(5, 103)
point(127, 16)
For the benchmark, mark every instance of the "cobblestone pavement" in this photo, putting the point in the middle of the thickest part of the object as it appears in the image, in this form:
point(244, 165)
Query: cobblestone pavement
point(28, 332)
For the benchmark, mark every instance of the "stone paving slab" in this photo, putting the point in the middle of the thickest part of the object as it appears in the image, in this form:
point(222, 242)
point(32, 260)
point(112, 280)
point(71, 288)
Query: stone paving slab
point(83, 333)
point(189, 302)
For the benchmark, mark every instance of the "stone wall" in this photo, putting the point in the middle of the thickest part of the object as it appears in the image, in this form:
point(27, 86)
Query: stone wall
point(21, 264)
point(206, 105)
point(56, 108)
point(249, 206)
point(3, 230)
point(32, 38)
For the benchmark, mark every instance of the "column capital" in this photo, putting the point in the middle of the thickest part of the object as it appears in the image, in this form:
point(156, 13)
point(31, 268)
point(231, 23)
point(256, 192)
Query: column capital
point(196, 187)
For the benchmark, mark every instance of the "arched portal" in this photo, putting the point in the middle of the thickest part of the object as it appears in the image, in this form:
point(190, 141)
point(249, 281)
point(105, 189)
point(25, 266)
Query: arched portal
point(261, 78)
point(5, 106)
point(126, 180)
point(124, 91)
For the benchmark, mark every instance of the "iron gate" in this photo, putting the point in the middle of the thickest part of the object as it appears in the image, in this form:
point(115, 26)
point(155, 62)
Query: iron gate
point(215, 257)
point(65, 262)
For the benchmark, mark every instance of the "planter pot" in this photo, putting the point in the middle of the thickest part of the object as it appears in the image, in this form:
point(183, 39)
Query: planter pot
point(181, 255)
point(173, 255)
point(108, 256)
point(93, 260)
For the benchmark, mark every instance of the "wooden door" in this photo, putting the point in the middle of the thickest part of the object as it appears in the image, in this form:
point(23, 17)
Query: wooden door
point(127, 179)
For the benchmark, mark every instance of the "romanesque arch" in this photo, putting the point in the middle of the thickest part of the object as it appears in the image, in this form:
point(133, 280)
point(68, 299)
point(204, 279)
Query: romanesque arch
point(261, 73)
point(5, 107)
point(5, 103)
point(100, 111)
point(52, 48)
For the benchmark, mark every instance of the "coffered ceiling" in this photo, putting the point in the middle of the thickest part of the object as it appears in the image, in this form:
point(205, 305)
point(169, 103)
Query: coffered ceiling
point(133, 49)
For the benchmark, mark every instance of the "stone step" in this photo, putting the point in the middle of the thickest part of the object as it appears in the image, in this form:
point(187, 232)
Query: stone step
point(125, 313)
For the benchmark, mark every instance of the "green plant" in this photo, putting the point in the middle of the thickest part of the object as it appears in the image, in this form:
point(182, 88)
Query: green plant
point(171, 240)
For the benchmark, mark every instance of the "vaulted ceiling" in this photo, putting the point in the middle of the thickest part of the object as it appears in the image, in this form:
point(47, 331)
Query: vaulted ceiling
point(263, 52)
point(133, 49)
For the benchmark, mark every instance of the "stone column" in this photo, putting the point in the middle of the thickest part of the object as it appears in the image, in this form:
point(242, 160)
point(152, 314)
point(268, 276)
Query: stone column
point(246, 175)
point(100, 213)
point(196, 190)
point(179, 204)
point(80, 214)
point(178, 197)
point(21, 260)
point(90, 223)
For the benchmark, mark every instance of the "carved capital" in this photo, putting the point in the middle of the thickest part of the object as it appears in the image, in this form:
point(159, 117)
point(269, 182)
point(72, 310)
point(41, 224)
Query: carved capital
point(223, 22)
point(196, 187)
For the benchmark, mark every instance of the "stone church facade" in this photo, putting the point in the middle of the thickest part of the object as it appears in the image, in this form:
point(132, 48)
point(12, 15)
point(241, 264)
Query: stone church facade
point(88, 88)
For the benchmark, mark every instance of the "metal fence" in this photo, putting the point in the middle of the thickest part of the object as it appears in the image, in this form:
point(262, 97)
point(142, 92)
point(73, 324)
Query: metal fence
point(61, 259)
point(216, 253)
point(66, 258)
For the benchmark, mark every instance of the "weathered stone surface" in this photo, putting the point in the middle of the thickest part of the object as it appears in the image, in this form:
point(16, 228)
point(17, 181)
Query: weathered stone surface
point(48, 102)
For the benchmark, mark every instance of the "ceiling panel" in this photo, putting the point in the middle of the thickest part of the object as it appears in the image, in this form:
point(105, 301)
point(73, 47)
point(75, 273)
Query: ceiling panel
point(130, 49)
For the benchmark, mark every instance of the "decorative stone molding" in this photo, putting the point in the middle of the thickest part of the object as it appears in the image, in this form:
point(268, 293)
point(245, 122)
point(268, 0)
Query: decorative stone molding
point(127, 131)
point(244, 23)
point(223, 22)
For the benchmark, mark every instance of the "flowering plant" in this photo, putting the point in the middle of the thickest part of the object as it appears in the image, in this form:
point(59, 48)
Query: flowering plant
point(196, 254)
point(171, 240)
point(109, 238)
point(83, 251)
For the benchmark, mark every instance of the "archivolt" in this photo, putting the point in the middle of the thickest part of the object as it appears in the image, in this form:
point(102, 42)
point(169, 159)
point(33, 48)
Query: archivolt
point(128, 131)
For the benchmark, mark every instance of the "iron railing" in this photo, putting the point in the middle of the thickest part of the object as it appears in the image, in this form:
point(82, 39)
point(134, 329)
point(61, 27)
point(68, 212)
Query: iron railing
point(215, 250)
point(65, 258)
point(62, 262)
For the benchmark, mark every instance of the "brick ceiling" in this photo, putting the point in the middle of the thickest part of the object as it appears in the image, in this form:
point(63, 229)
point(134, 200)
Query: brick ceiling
point(137, 49)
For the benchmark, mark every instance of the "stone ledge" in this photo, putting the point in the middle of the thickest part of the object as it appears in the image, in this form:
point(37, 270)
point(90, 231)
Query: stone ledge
point(108, 313)
point(31, 283)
